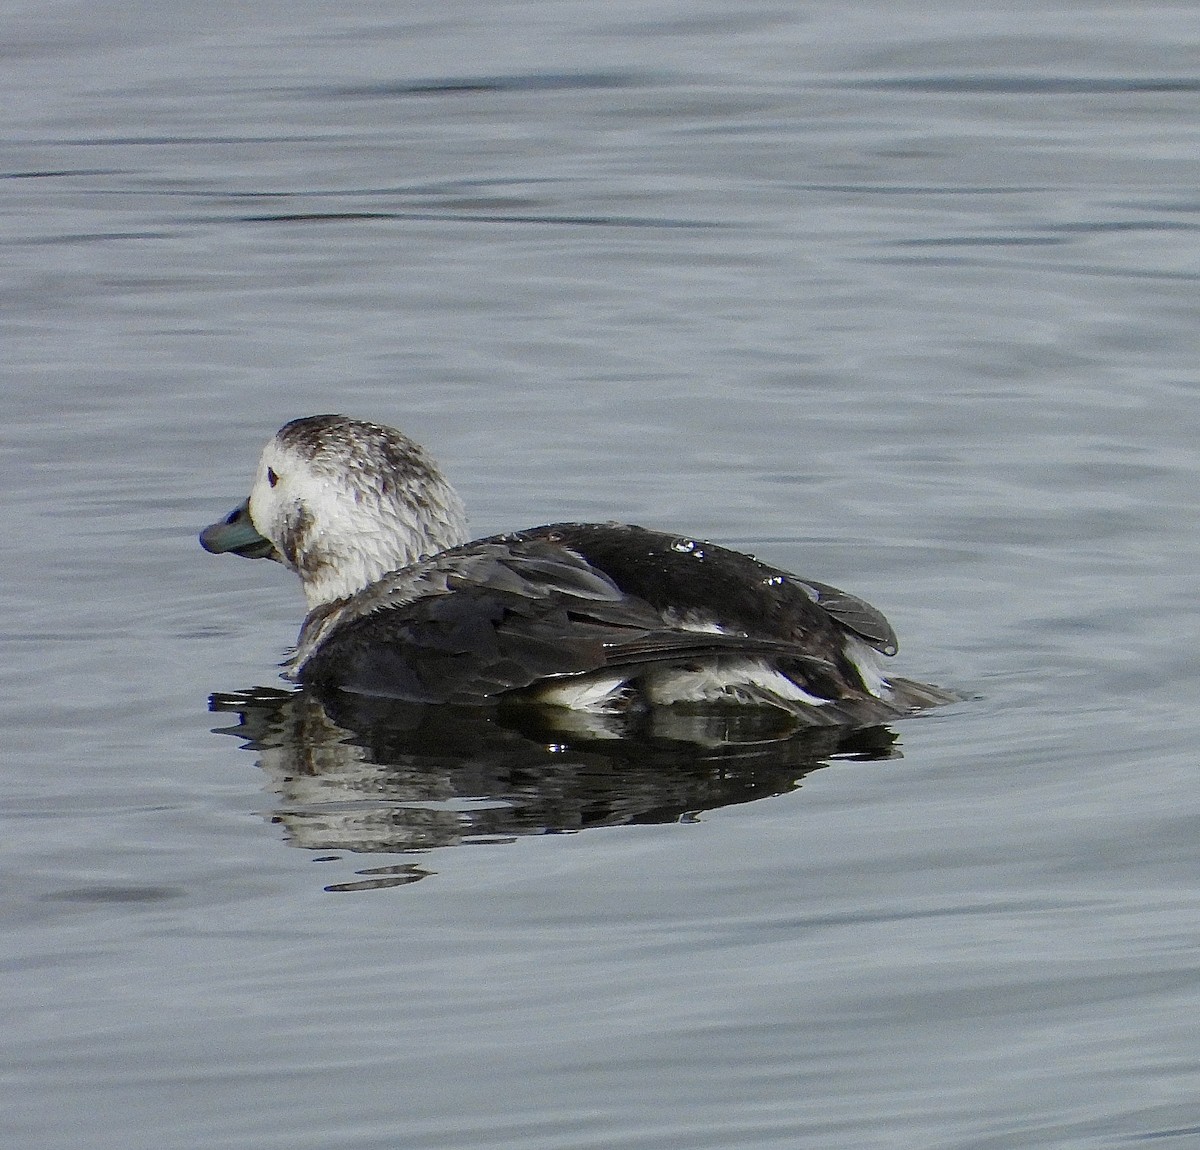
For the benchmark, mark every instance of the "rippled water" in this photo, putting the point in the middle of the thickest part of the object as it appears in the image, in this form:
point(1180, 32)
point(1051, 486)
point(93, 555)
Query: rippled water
point(901, 297)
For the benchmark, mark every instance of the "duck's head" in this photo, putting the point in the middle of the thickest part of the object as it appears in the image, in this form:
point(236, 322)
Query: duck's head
point(341, 502)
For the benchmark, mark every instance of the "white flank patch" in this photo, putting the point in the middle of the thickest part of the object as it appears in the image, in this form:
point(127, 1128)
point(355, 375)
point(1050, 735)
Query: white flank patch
point(595, 693)
point(720, 682)
point(866, 662)
point(693, 620)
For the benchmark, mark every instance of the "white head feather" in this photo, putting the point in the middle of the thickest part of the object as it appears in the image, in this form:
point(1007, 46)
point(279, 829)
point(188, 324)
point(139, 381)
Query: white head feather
point(344, 502)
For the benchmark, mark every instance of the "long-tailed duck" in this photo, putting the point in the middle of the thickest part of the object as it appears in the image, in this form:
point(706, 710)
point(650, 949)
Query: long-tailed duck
point(598, 617)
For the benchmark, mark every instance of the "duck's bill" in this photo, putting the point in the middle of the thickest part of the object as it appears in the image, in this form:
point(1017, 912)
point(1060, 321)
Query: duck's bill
point(237, 534)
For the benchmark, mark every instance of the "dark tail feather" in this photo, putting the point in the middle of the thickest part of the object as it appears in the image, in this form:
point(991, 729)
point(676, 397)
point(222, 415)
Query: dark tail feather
point(909, 695)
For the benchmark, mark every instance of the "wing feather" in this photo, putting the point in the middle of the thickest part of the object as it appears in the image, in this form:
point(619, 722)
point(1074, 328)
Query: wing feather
point(502, 614)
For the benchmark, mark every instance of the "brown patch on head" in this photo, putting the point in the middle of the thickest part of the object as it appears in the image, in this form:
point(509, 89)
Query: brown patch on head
point(336, 445)
point(294, 538)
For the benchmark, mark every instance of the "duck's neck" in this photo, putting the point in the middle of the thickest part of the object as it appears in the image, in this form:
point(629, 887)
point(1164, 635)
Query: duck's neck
point(350, 556)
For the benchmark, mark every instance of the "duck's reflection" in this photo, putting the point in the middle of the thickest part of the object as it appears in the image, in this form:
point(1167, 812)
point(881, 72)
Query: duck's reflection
point(366, 775)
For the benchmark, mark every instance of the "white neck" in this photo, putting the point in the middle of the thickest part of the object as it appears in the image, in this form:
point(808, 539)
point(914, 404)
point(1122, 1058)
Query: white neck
point(355, 550)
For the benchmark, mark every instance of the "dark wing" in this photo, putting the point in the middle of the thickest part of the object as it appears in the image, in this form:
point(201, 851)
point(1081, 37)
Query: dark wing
point(734, 590)
point(854, 614)
point(496, 616)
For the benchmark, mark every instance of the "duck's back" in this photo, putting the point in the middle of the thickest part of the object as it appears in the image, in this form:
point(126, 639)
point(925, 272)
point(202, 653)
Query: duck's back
point(604, 617)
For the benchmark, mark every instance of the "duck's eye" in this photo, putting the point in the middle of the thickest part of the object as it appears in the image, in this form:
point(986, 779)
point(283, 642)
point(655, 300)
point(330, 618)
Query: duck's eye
point(272, 478)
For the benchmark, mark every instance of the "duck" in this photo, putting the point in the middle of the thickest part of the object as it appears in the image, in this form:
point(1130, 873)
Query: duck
point(601, 618)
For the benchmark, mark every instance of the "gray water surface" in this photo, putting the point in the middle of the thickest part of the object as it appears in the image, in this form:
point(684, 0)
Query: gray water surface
point(902, 297)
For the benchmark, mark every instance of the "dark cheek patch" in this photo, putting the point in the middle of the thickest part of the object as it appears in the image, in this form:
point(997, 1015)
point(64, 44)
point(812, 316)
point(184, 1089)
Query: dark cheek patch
point(294, 540)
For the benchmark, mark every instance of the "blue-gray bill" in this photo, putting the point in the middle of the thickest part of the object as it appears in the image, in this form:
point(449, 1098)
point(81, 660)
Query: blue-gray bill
point(236, 533)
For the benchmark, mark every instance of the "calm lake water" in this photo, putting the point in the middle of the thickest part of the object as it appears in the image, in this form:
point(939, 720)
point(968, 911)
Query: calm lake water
point(903, 297)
